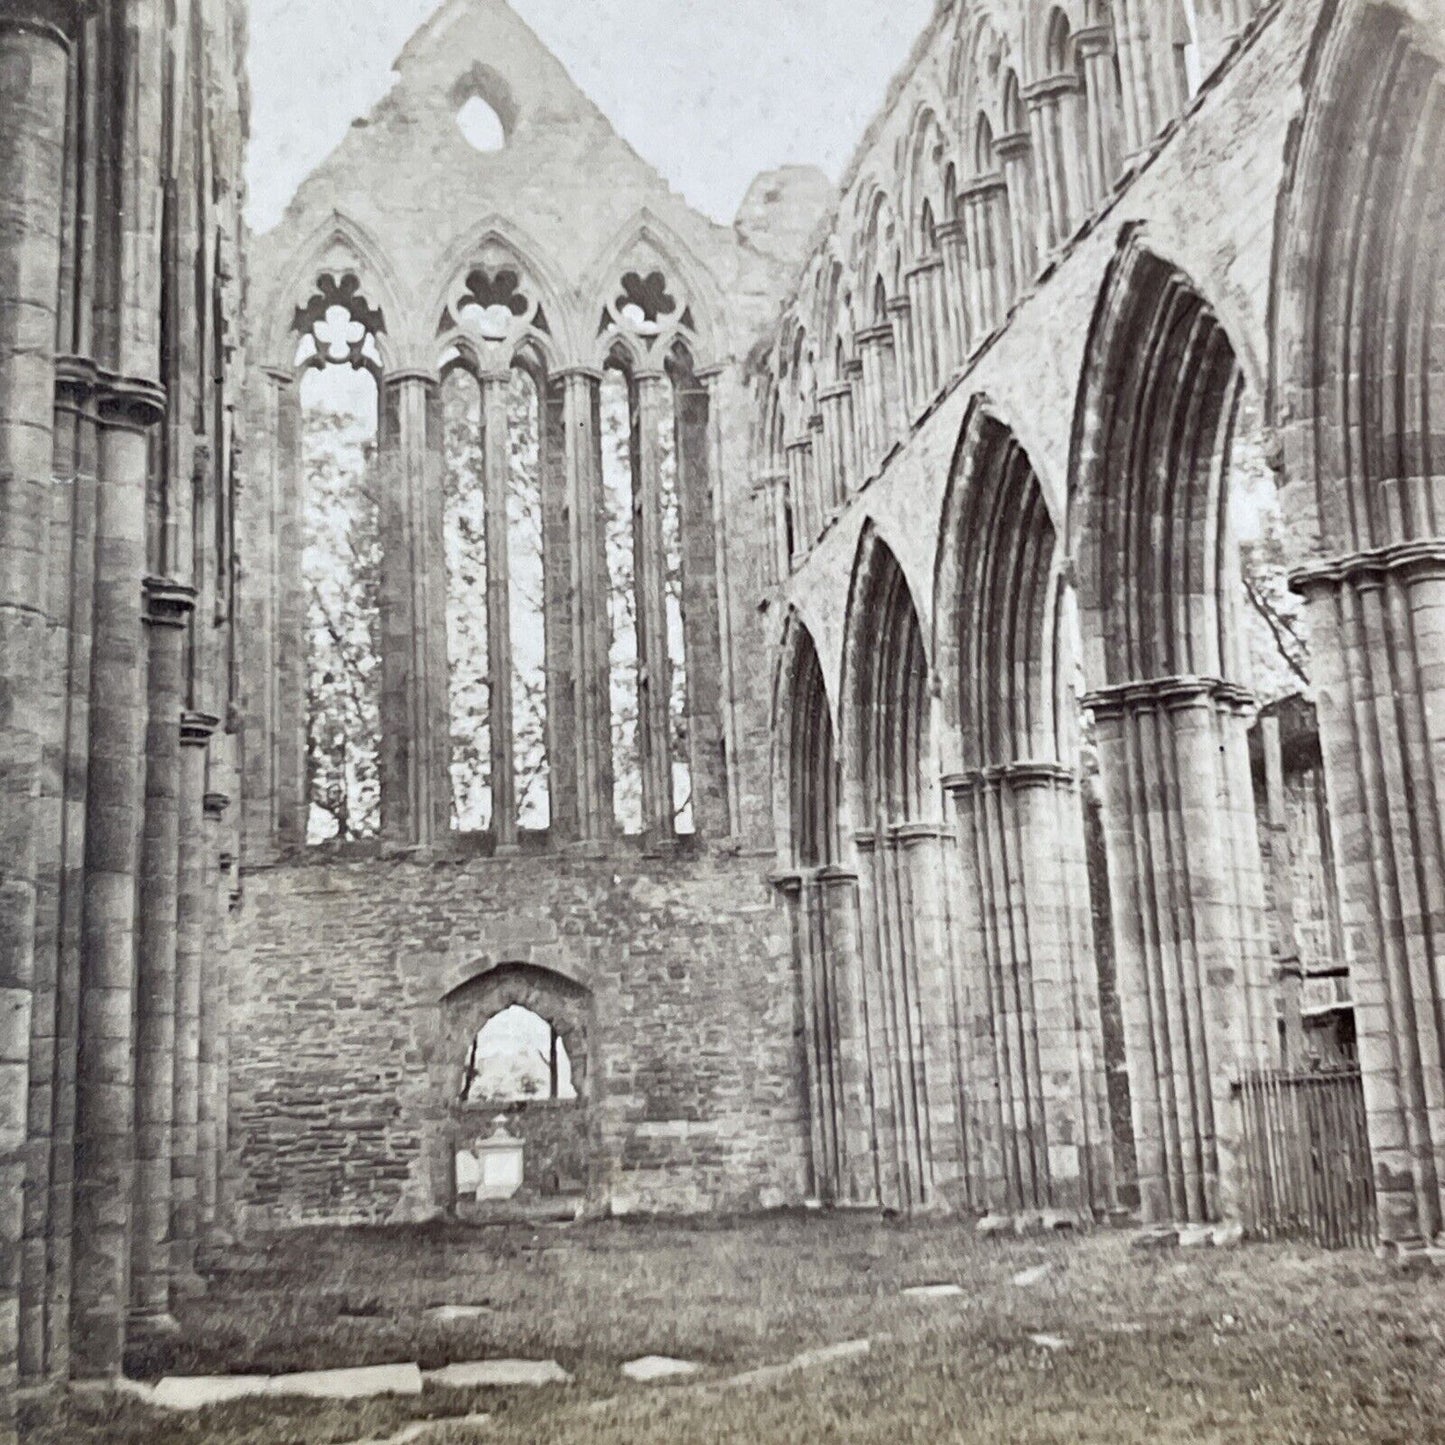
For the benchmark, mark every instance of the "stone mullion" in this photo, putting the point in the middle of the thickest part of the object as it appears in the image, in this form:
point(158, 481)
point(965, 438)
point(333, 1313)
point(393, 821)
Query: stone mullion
point(34, 59)
point(900, 311)
point(556, 554)
point(882, 1057)
point(415, 703)
point(496, 483)
point(169, 606)
point(706, 609)
point(654, 721)
point(193, 907)
point(590, 621)
point(286, 718)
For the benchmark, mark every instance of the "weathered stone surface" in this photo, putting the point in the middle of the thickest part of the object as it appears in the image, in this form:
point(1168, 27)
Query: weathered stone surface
point(933, 1291)
point(356, 1384)
point(195, 1392)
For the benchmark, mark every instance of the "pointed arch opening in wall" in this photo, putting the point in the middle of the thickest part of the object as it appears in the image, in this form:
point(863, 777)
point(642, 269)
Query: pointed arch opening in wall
point(513, 1068)
point(335, 337)
point(1154, 453)
point(907, 1000)
point(1064, 114)
point(1357, 381)
point(1038, 1120)
point(822, 901)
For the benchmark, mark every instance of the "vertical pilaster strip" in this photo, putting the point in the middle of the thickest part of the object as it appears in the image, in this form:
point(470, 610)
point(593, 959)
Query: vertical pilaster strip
point(208, 1051)
point(284, 736)
point(34, 55)
point(168, 607)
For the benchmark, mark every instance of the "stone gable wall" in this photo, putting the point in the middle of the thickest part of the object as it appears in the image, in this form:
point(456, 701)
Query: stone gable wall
point(339, 1090)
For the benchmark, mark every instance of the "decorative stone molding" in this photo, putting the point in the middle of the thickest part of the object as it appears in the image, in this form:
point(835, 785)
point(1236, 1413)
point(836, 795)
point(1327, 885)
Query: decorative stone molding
point(168, 603)
point(198, 728)
point(1169, 693)
point(1412, 561)
point(129, 403)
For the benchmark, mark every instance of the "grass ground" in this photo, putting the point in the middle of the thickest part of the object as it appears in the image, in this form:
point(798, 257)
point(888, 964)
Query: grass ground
point(1266, 1344)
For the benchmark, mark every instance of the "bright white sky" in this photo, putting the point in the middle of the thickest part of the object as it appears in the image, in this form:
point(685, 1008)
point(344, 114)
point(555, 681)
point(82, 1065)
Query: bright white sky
point(710, 93)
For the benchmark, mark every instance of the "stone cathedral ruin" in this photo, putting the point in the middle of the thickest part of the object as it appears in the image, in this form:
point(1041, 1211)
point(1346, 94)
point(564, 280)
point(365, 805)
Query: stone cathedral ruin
point(930, 696)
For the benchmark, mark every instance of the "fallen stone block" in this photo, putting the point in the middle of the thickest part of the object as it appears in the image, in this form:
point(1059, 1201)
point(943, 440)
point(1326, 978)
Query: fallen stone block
point(992, 1225)
point(1026, 1279)
point(359, 1384)
point(1228, 1236)
point(457, 1314)
point(1052, 1343)
point(1197, 1236)
point(652, 1368)
point(196, 1392)
point(933, 1291)
point(499, 1374)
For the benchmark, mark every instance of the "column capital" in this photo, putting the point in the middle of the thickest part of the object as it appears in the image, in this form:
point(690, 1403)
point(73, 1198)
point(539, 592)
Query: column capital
point(168, 603)
point(1421, 558)
point(409, 375)
point(877, 335)
point(578, 373)
point(836, 393)
point(1169, 694)
point(1092, 40)
point(900, 306)
point(495, 376)
point(1013, 146)
point(198, 728)
point(983, 188)
point(129, 403)
point(216, 805)
point(954, 229)
point(1050, 88)
point(60, 19)
point(788, 882)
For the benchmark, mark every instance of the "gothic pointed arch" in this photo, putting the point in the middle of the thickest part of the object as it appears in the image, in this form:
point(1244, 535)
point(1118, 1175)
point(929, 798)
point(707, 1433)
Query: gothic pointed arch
point(337, 247)
point(1357, 378)
point(648, 281)
point(1150, 530)
point(495, 245)
point(1037, 1110)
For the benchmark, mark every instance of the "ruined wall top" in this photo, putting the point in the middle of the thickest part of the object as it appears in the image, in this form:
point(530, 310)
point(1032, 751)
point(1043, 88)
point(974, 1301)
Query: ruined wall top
point(544, 188)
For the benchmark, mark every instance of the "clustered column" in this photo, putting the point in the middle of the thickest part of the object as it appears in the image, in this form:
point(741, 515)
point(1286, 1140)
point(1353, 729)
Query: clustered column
point(1189, 930)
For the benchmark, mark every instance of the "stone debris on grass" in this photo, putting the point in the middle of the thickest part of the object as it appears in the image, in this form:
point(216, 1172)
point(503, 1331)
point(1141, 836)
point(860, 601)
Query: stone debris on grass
point(425, 1429)
point(933, 1291)
point(1052, 1343)
point(1026, 1279)
point(196, 1392)
point(652, 1368)
point(457, 1314)
point(499, 1374)
point(830, 1355)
